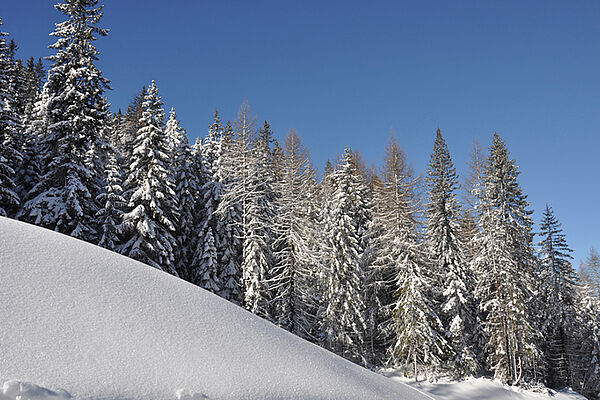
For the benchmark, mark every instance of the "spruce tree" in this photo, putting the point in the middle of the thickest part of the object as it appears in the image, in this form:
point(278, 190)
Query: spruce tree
point(229, 216)
point(505, 272)
point(187, 191)
point(559, 295)
point(153, 209)
point(74, 112)
point(210, 244)
point(112, 203)
point(446, 251)
point(10, 155)
point(347, 226)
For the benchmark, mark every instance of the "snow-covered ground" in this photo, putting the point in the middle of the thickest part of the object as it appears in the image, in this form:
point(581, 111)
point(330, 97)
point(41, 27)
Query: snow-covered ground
point(80, 321)
point(481, 388)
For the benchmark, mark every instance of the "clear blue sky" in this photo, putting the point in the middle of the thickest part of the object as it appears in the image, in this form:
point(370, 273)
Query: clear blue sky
point(345, 73)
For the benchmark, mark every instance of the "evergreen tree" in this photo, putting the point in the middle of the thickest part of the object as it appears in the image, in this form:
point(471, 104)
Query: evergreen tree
point(559, 291)
point(152, 214)
point(445, 249)
point(10, 155)
point(229, 214)
point(505, 271)
point(110, 214)
point(187, 191)
point(205, 265)
point(74, 113)
point(347, 226)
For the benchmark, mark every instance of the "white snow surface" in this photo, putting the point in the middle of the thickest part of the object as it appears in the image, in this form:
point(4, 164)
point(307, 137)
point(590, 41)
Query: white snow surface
point(84, 323)
point(481, 388)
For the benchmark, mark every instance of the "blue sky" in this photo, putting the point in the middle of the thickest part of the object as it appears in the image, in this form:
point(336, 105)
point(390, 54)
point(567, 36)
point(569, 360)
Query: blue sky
point(345, 73)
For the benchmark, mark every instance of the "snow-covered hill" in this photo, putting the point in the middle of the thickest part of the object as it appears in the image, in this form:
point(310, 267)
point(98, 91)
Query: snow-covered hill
point(81, 321)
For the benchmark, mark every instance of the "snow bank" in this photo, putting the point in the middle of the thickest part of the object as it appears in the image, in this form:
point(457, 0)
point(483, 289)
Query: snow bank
point(100, 325)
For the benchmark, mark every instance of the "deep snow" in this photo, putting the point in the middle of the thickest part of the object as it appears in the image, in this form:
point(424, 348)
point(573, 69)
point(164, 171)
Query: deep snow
point(81, 321)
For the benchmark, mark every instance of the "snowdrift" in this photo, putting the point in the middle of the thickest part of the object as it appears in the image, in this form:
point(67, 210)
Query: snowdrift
point(82, 322)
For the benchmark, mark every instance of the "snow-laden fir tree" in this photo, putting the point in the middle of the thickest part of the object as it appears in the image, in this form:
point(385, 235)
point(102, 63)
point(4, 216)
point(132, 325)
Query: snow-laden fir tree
point(112, 204)
point(296, 255)
point(505, 272)
point(10, 155)
point(347, 223)
point(229, 214)
point(185, 168)
point(74, 113)
point(446, 252)
point(153, 209)
point(258, 260)
point(559, 296)
point(205, 267)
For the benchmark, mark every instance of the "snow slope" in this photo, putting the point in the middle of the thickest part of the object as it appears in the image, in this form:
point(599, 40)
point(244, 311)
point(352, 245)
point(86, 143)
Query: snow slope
point(87, 323)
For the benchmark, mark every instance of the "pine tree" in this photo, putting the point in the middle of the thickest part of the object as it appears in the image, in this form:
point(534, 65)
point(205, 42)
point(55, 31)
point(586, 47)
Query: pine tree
point(110, 214)
point(446, 251)
point(153, 209)
point(74, 113)
point(505, 272)
point(9, 154)
point(347, 224)
point(296, 256)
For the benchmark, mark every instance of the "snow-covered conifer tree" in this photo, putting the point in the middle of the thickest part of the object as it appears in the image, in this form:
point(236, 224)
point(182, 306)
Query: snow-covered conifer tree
point(112, 204)
point(445, 250)
point(74, 113)
point(10, 155)
point(559, 296)
point(505, 272)
point(187, 191)
point(153, 209)
point(347, 226)
point(229, 213)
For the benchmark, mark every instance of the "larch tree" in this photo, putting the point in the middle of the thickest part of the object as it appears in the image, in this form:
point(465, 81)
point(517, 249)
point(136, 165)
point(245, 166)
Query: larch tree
point(296, 256)
point(152, 209)
point(589, 271)
point(74, 112)
point(445, 249)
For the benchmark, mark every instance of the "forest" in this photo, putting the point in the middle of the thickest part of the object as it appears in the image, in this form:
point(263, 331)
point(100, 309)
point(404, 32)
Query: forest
point(382, 267)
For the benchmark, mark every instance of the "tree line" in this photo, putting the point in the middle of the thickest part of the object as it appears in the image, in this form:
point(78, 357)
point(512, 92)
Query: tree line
point(373, 264)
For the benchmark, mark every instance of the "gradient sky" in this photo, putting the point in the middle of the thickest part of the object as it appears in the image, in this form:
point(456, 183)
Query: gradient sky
point(346, 73)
